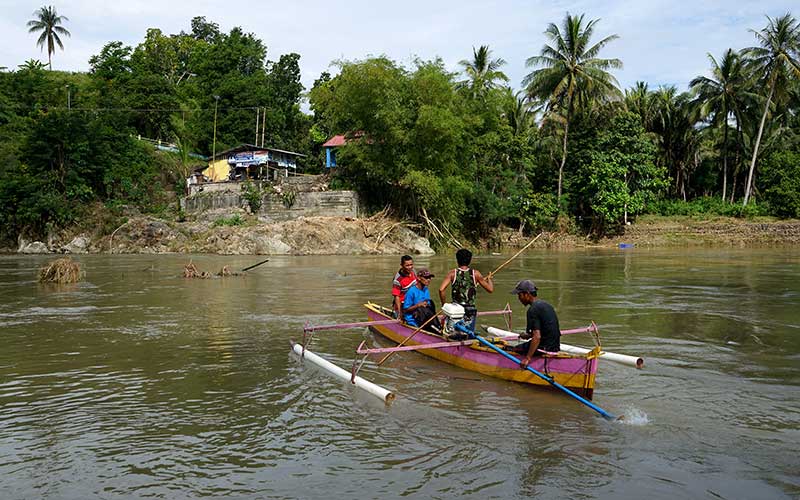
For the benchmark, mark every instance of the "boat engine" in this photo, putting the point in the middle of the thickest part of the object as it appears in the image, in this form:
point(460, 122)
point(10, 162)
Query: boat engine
point(454, 313)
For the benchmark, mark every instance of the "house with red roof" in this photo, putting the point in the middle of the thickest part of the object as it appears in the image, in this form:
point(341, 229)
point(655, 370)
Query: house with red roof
point(330, 149)
point(337, 141)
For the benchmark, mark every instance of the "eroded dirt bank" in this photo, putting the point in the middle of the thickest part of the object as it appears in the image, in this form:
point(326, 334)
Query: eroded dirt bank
point(239, 234)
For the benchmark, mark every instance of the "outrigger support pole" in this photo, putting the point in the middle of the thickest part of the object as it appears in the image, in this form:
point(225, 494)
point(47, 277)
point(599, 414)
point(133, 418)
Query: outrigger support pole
point(308, 336)
point(354, 371)
point(386, 395)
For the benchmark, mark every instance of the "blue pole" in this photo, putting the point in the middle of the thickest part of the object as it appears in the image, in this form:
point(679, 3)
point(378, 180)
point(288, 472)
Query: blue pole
point(460, 327)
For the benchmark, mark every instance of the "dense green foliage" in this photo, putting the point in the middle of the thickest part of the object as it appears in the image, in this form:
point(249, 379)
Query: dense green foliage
point(615, 174)
point(68, 141)
point(458, 153)
point(780, 175)
point(467, 154)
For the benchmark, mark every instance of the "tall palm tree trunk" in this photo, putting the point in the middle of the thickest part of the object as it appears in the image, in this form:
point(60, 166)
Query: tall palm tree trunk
point(737, 160)
point(563, 159)
point(749, 185)
point(725, 161)
point(564, 148)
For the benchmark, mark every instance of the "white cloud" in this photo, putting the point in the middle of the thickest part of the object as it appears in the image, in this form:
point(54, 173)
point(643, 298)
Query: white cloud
point(660, 41)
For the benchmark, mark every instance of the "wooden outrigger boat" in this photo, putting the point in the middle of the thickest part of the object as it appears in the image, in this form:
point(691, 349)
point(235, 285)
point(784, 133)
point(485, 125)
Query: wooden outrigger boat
point(572, 370)
point(575, 371)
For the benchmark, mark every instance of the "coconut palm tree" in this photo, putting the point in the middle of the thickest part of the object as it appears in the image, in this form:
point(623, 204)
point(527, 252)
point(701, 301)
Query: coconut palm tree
point(721, 97)
point(674, 117)
point(776, 58)
point(32, 65)
point(570, 73)
point(639, 100)
point(482, 71)
point(519, 113)
point(48, 22)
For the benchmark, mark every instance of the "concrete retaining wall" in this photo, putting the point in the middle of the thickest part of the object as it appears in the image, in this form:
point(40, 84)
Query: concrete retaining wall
point(278, 207)
point(296, 182)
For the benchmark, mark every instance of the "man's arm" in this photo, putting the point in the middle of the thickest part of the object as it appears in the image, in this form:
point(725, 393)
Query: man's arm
point(421, 303)
point(485, 281)
point(409, 303)
point(535, 339)
point(445, 283)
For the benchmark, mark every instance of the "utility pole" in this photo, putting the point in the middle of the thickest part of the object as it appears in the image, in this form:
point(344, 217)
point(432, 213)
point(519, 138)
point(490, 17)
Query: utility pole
point(263, 126)
point(69, 98)
point(257, 112)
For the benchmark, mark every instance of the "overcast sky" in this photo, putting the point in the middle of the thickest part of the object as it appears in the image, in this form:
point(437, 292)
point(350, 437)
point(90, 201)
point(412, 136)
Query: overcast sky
point(661, 42)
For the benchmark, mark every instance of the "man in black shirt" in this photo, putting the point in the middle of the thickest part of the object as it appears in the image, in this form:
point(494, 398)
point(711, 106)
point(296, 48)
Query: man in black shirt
point(542, 329)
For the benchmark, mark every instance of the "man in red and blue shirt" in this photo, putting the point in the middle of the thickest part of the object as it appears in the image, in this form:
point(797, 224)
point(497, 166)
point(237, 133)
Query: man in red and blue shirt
point(402, 282)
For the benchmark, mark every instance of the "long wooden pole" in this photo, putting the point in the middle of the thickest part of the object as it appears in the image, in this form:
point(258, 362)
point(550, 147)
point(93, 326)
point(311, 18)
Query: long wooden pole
point(504, 264)
point(401, 344)
point(254, 265)
point(263, 126)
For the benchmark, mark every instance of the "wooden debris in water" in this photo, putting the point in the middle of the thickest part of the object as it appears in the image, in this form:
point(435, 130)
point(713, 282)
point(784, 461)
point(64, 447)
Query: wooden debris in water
point(191, 271)
point(226, 271)
point(64, 270)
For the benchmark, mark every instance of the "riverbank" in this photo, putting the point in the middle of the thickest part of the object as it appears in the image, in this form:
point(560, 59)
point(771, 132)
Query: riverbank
point(237, 233)
point(656, 231)
point(663, 232)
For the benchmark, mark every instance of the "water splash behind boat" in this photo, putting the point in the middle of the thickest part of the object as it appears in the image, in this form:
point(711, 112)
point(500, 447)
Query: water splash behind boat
point(634, 416)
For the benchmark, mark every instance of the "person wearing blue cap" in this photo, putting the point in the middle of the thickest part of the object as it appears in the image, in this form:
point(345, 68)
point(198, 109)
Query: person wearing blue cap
point(542, 328)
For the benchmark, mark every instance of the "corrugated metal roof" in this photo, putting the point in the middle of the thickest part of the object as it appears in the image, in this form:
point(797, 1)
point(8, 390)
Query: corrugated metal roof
point(336, 140)
point(245, 147)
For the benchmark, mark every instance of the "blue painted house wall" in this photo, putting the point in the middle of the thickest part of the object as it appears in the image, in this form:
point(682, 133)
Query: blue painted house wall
point(330, 157)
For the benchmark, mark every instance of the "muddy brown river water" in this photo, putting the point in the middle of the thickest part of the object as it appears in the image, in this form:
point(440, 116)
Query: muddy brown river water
point(138, 383)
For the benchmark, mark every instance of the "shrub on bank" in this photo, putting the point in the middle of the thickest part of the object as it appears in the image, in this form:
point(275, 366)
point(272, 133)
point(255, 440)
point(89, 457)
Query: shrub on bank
point(779, 181)
point(234, 220)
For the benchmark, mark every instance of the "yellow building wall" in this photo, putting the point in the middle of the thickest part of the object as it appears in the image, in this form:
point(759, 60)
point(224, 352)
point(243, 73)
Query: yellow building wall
point(217, 170)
